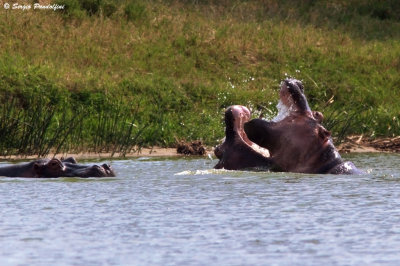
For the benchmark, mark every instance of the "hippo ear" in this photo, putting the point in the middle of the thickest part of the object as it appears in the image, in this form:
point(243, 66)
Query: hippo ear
point(318, 116)
point(69, 160)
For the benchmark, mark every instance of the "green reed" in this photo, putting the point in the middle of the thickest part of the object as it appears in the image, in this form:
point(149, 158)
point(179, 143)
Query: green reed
point(41, 128)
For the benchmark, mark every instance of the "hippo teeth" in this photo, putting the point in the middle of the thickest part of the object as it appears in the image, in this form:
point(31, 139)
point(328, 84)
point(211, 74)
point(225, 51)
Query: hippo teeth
point(260, 150)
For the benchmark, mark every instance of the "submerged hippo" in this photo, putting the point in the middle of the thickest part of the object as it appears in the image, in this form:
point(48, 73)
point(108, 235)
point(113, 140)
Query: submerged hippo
point(296, 140)
point(56, 168)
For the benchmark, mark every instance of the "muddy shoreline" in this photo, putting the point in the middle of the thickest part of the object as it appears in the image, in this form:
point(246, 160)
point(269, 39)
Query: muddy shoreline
point(353, 144)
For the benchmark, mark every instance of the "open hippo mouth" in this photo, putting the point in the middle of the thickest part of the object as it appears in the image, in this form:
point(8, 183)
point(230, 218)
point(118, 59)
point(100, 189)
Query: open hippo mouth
point(292, 99)
point(236, 117)
point(237, 151)
point(290, 92)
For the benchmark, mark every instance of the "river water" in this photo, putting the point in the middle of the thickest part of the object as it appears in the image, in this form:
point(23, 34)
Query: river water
point(180, 212)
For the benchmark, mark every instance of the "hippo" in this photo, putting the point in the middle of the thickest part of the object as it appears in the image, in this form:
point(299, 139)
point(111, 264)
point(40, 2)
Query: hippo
point(237, 151)
point(68, 167)
point(295, 139)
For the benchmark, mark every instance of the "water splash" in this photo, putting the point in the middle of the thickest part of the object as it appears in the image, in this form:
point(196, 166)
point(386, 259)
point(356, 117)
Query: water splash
point(202, 172)
point(283, 111)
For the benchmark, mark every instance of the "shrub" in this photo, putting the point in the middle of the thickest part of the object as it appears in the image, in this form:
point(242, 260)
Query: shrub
point(135, 11)
point(108, 8)
point(72, 8)
point(91, 7)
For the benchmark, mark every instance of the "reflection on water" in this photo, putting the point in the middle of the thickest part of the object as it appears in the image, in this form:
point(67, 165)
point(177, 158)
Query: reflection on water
point(180, 211)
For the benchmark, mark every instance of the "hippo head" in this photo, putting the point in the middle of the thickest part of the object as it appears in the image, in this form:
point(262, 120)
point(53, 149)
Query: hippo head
point(235, 117)
point(295, 138)
point(69, 168)
point(237, 151)
point(52, 168)
point(297, 143)
point(293, 99)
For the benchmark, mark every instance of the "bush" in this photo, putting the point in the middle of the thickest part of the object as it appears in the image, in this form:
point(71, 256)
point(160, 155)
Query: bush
point(72, 8)
point(135, 11)
point(91, 7)
point(80, 8)
point(108, 8)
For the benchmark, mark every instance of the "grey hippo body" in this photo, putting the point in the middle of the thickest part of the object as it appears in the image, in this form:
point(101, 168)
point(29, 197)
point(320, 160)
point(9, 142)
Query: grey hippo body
point(296, 141)
point(43, 168)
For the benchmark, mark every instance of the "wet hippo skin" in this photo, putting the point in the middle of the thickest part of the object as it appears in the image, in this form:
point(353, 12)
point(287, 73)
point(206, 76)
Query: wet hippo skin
point(42, 168)
point(296, 140)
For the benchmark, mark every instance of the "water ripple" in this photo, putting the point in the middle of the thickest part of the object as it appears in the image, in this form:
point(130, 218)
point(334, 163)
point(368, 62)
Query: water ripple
point(181, 211)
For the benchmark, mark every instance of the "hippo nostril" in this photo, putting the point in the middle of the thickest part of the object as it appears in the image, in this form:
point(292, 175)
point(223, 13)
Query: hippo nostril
point(106, 166)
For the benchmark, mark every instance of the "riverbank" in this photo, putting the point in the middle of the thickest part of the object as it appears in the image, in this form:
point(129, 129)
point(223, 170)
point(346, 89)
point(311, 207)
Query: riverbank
point(144, 152)
point(352, 144)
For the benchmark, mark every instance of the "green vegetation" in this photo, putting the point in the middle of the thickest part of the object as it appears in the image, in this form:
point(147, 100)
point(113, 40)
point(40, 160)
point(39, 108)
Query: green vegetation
point(108, 75)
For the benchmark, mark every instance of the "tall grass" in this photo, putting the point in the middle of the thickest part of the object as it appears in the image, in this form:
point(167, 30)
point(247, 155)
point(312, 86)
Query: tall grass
point(42, 127)
point(113, 76)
